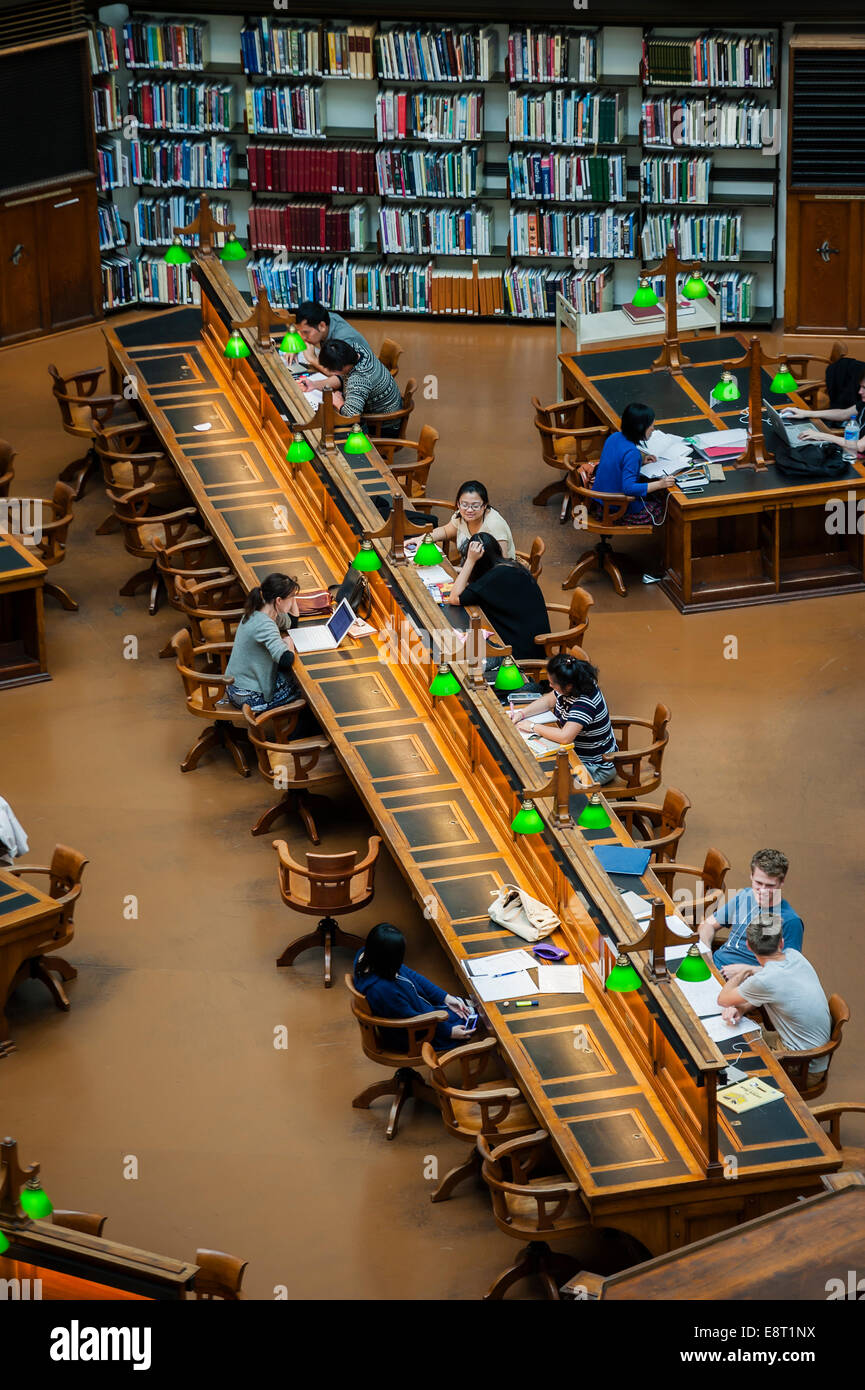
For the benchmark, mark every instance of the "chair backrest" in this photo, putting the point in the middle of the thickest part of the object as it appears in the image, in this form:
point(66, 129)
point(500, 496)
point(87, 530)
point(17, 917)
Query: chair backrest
point(90, 1223)
point(413, 474)
point(199, 687)
point(389, 354)
point(578, 612)
point(536, 555)
point(716, 866)
point(67, 868)
point(219, 1275)
point(839, 1014)
point(509, 1169)
point(52, 547)
point(272, 732)
point(675, 808)
point(460, 1072)
point(7, 472)
point(660, 735)
point(327, 882)
point(376, 1033)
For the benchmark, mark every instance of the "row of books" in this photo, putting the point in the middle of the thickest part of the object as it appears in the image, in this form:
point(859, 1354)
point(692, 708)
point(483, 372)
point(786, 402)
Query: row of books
point(347, 50)
point(112, 232)
point(429, 116)
point(427, 174)
point(530, 292)
point(579, 234)
point(102, 48)
point(675, 180)
point(565, 118)
point(270, 48)
point(284, 110)
point(433, 54)
point(437, 231)
point(119, 283)
point(734, 288)
point(182, 163)
point(711, 60)
point(197, 106)
point(160, 43)
point(112, 165)
point(158, 283)
point(743, 124)
point(107, 113)
point(543, 55)
point(566, 178)
point(712, 237)
point(323, 168)
point(154, 219)
point(308, 226)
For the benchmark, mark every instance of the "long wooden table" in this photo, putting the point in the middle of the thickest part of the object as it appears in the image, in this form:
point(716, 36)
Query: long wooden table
point(29, 922)
point(754, 538)
point(22, 612)
point(625, 1084)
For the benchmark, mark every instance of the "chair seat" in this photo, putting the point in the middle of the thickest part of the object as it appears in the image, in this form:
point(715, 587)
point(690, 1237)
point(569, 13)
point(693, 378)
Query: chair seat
point(326, 769)
point(224, 710)
point(854, 1159)
point(523, 1210)
point(147, 532)
point(212, 630)
point(359, 895)
point(163, 476)
point(468, 1113)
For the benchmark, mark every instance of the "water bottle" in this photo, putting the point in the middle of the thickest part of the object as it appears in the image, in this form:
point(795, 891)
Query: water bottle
point(851, 439)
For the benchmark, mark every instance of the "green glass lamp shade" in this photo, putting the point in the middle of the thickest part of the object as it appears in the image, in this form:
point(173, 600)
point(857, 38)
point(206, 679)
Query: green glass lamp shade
point(727, 388)
point(645, 297)
point(236, 347)
point(34, 1203)
point(292, 342)
point(694, 966)
point(232, 250)
point(527, 821)
point(783, 382)
point(366, 560)
point(357, 442)
point(427, 553)
point(695, 287)
point(623, 978)
point(4, 1244)
point(299, 451)
point(444, 682)
point(177, 254)
point(509, 676)
point(594, 815)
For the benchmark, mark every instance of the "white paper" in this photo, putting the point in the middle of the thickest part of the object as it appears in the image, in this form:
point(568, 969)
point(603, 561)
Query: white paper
point(702, 995)
point(670, 451)
point(539, 746)
point(637, 906)
point(678, 953)
point(719, 1031)
point(560, 979)
point(547, 717)
point(500, 963)
point(676, 925)
point(721, 439)
point(493, 988)
point(434, 574)
point(314, 397)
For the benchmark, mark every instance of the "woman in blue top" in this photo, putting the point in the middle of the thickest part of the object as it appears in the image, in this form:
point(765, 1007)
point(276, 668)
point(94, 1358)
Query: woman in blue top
point(394, 991)
point(619, 466)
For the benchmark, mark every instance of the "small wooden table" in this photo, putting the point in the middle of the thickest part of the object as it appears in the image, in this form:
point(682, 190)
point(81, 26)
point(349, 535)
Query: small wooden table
point(29, 922)
point(22, 616)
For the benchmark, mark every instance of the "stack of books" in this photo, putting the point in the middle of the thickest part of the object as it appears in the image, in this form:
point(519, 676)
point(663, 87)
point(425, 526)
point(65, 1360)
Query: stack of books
point(565, 118)
point(119, 283)
point(155, 219)
point(311, 169)
point(102, 47)
point(112, 233)
point(347, 50)
point(270, 48)
point(671, 121)
point(542, 55)
point(433, 54)
point(565, 178)
point(531, 293)
point(439, 231)
point(426, 174)
point(152, 43)
point(587, 234)
point(107, 114)
point(112, 165)
point(429, 116)
point(159, 283)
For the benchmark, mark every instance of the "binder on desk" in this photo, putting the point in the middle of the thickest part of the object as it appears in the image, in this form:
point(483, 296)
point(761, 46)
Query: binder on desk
point(620, 859)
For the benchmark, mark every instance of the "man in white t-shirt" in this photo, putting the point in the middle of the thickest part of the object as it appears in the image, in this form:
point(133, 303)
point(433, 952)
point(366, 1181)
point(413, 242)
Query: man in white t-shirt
point(787, 986)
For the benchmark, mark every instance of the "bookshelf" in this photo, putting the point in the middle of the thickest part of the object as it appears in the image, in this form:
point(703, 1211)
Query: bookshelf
point(371, 163)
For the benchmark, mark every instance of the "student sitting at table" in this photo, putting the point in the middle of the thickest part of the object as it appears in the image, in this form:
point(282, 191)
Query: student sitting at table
point(619, 467)
point(582, 717)
point(472, 514)
point(787, 986)
point(263, 652)
point(368, 387)
point(768, 872)
point(316, 326)
point(392, 990)
point(853, 412)
point(506, 592)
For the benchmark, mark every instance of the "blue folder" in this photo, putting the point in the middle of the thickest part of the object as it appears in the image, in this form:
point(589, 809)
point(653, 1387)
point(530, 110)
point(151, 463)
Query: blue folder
point(618, 859)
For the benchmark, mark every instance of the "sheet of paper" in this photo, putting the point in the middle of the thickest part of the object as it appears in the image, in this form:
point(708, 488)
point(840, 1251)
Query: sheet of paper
point(637, 906)
point(721, 439)
point(493, 988)
point(719, 1031)
point(315, 398)
point(677, 953)
point(560, 979)
point(539, 746)
point(702, 995)
point(500, 963)
point(434, 574)
point(547, 717)
point(676, 925)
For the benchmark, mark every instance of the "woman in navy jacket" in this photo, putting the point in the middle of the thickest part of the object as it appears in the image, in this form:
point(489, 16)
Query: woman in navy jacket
point(393, 990)
point(619, 466)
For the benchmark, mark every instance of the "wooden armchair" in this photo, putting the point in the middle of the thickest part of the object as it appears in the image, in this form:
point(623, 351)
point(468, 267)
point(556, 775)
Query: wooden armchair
point(89, 1223)
point(829, 1116)
point(532, 558)
point(394, 1043)
point(219, 1275)
point(214, 607)
point(7, 471)
point(535, 1202)
point(613, 508)
point(657, 828)
point(298, 767)
point(798, 1065)
point(80, 409)
point(638, 770)
point(373, 423)
point(571, 636)
point(141, 527)
point(809, 385)
point(335, 884)
point(568, 436)
point(64, 875)
point(412, 476)
point(130, 456)
point(51, 549)
point(204, 690)
point(703, 899)
point(475, 1098)
point(389, 354)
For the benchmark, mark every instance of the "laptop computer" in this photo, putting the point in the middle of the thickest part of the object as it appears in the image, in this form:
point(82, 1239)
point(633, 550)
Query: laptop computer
point(323, 637)
point(793, 432)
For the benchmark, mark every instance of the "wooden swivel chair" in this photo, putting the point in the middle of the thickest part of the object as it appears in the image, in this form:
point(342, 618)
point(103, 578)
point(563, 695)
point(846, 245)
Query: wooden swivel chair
point(413, 475)
point(7, 470)
point(300, 768)
point(372, 423)
point(809, 385)
point(707, 892)
point(535, 1202)
point(130, 456)
point(219, 1275)
point(389, 354)
point(613, 506)
point(567, 437)
point(797, 1064)
point(638, 770)
point(142, 525)
point(475, 1097)
point(51, 548)
point(212, 607)
point(204, 690)
point(90, 1223)
point(532, 558)
point(656, 828)
point(80, 409)
point(829, 1116)
point(395, 1043)
point(64, 874)
point(332, 884)
point(571, 636)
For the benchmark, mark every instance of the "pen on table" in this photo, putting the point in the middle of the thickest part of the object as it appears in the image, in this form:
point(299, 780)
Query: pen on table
point(521, 1003)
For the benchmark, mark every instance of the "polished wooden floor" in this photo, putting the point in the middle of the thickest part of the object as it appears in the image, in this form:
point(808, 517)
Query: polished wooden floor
point(168, 1052)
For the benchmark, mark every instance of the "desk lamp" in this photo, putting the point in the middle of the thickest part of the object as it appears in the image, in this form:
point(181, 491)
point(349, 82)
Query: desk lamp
point(444, 682)
point(559, 788)
point(367, 559)
point(204, 225)
point(671, 355)
point(20, 1192)
point(755, 454)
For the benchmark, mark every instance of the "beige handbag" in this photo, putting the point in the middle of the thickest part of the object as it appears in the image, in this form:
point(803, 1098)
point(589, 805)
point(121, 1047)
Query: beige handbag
point(522, 914)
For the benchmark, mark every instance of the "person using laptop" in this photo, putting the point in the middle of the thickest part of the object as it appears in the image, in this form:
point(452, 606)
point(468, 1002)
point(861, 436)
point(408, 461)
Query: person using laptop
point(473, 513)
point(619, 467)
point(768, 872)
point(367, 385)
point(316, 326)
point(392, 990)
point(854, 412)
point(262, 656)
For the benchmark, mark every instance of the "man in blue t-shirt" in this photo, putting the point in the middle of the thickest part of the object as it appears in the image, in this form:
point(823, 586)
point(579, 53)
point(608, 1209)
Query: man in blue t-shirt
point(768, 871)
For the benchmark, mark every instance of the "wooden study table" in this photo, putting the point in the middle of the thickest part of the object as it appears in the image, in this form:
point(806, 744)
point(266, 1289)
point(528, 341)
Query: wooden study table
point(755, 538)
point(22, 614)
point(632, 1109)
point(29, 922)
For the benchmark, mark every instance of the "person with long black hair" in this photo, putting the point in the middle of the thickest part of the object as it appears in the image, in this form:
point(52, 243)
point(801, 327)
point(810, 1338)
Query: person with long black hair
point(473, 514)
point(581, 714)
point(263, 653)
point(392, 990)
point(619, 466)
point(507, 593)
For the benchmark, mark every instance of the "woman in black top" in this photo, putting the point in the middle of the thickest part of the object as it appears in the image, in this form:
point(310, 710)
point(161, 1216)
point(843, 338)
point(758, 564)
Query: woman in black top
point(505, 591)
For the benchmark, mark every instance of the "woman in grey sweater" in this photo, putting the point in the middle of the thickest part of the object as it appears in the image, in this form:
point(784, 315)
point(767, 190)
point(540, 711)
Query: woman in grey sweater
point(263, 652)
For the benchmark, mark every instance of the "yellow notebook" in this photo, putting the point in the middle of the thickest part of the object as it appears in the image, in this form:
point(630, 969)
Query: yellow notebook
point(747, 1095)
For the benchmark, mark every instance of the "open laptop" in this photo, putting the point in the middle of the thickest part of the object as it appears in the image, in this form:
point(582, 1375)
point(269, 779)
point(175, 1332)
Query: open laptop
point(793, 433)
point(323, 637)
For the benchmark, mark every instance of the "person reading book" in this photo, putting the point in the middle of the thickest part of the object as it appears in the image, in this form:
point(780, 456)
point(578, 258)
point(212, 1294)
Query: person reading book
point(473, 513)
point(581, 715)
point(619, 467)
point(367, 387)
point(316, 326)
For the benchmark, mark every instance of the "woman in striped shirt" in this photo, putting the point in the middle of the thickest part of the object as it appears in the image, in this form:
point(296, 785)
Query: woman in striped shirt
point(581, 715)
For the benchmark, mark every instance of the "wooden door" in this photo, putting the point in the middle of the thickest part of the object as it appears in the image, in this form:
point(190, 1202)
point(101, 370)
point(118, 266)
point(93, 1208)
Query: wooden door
point(49, 259)
point(20, 276)
point(69, 222)
point(824, 263)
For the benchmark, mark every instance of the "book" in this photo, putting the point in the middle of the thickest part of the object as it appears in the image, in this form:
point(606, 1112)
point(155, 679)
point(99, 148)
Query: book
point(747, 1095)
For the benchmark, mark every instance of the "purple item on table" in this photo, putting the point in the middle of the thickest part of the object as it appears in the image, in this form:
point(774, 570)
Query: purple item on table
point(546, 952)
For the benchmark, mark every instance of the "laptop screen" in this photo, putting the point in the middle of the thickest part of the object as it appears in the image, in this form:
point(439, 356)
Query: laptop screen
point(776, 419)
point(340, 621)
